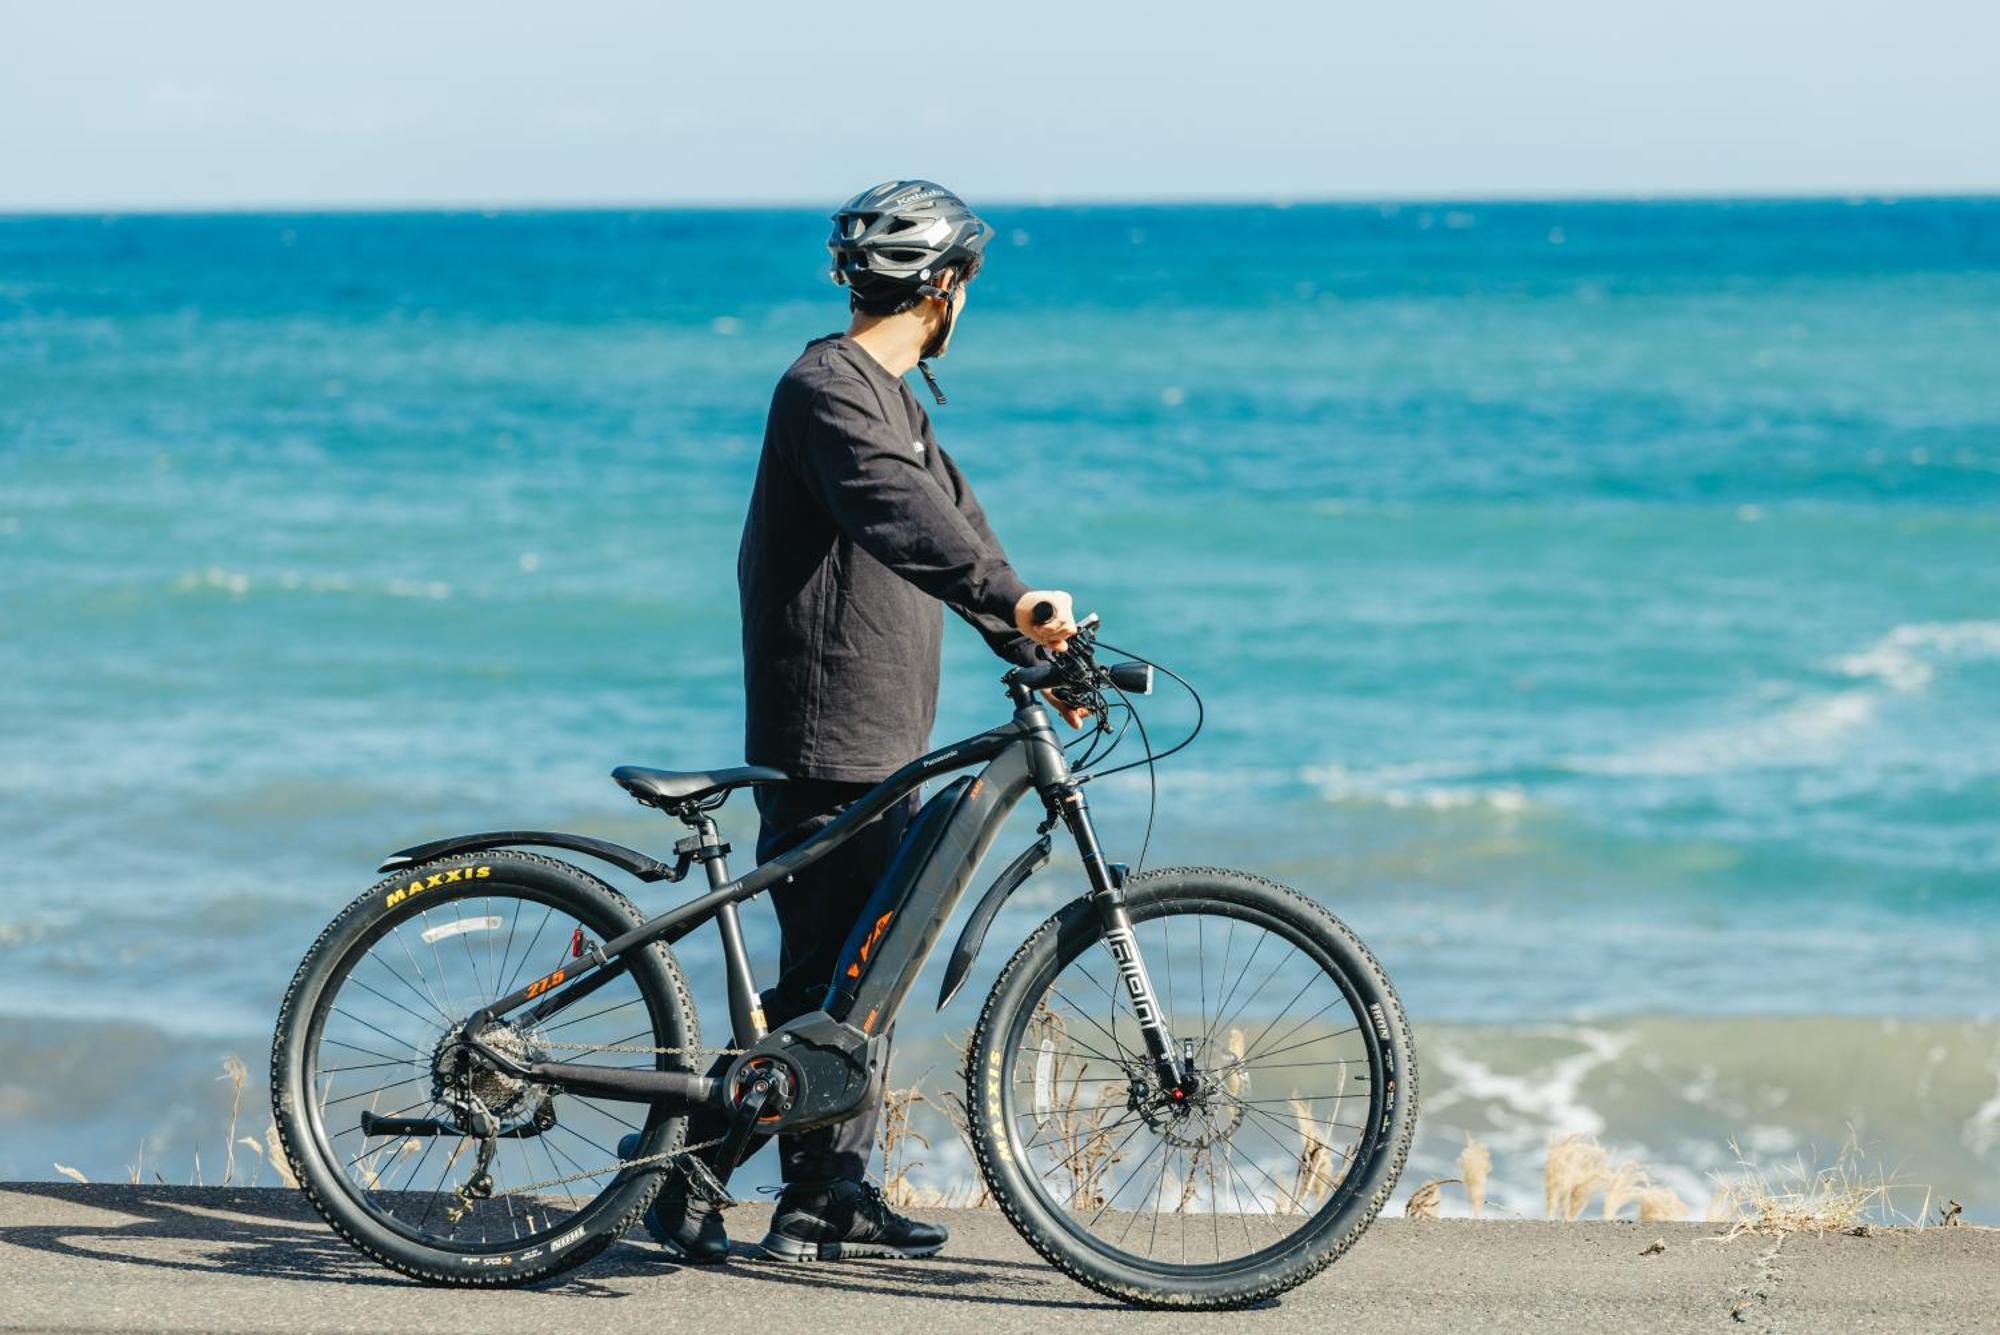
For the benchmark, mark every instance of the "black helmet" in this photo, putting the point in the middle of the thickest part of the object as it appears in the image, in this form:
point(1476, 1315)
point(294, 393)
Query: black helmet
point(891, 240)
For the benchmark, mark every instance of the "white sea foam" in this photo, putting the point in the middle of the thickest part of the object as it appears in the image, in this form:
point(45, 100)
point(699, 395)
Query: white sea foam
point(1982, 1129)
point(1813, 731)
point(418, 588)
point(237, 583)
point(1412, 787)
point(215, 577)
point(1543, 1101)
point(1817, 730)
point(1906, 658)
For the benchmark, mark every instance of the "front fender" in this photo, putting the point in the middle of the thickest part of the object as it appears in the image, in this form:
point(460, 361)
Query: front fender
point(628, 859)
point(1032, 859)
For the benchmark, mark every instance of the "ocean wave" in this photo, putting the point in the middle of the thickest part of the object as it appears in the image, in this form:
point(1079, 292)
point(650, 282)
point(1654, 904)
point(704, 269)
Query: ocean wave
point(1543, 1099)
point(1691, 1099)
point(1906, 659)
point(1820, 729)
point(1414, 787)
point(239, 584)
point(1811, 732)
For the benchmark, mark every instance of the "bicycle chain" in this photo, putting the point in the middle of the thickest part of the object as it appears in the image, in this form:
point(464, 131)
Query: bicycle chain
point(634, 1047)
point(587, 1174)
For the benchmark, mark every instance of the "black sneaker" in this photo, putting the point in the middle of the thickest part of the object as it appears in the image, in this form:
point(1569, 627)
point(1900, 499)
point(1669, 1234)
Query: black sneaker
point(841, 1221)
point(690, 1229)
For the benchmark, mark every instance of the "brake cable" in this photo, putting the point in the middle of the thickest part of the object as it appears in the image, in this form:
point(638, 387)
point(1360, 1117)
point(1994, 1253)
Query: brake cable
point(1150, 759)
point(1200, 714)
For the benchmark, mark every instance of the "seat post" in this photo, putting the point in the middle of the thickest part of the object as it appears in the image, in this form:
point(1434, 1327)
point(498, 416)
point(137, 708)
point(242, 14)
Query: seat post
point(746, 1011)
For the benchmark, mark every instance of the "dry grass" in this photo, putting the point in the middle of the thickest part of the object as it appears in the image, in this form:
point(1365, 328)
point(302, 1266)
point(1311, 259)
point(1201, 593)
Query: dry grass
point(898, 1135)
point(1661, 1205)
point(1576, 1170)
point(1475, 1165)
point(1318, 1167)
point(237, 1074)
point(951, 1106)
point(1424, 1201)
point(1579, 1169)
point(267, 1150)
point(1624, 1187)
point(274, 1154)
point(1804, 1197)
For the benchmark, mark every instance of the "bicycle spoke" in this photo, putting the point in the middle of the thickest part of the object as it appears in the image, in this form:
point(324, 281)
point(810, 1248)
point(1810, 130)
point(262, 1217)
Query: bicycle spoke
point(364, 1066)
point(635, 1001)
point(412, 1179)
point(1232, 1147)
point(354, 1047)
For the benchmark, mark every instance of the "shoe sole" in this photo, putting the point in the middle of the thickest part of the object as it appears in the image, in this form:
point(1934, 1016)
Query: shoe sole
point(780, 1248)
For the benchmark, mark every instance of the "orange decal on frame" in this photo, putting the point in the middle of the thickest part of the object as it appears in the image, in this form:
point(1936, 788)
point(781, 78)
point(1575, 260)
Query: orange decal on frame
point(868, 946)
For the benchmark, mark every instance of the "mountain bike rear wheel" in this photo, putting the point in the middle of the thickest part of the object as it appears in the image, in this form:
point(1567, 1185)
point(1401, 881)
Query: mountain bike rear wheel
point(379, 998)
point(1292, 1141)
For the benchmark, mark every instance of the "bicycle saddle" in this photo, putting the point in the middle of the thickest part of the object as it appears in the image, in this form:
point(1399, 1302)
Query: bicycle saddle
point(673, 787)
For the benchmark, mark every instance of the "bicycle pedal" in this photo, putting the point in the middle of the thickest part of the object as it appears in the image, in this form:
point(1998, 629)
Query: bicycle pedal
point(703, 1182)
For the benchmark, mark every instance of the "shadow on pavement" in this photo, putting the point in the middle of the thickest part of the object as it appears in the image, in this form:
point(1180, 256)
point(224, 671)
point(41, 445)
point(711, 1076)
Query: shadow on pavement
point(247, 1233)
point(943, 1279)
point(265, 1234)
point(273, 1234)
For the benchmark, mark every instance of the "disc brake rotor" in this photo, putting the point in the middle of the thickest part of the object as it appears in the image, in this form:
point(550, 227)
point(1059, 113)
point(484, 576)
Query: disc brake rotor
point(1216, 1108)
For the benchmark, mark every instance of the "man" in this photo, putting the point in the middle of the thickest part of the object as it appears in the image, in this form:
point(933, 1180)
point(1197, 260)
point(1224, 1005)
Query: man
point(860, 526)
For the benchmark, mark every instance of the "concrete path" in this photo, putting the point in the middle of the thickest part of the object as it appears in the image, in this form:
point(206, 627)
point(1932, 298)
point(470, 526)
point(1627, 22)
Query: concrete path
point(102, 1258)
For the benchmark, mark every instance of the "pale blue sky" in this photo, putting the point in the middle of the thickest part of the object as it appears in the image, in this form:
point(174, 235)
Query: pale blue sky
point(200, 102)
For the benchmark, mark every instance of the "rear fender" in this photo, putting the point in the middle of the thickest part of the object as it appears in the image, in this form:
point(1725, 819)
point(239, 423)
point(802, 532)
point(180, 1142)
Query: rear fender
point(627, 859)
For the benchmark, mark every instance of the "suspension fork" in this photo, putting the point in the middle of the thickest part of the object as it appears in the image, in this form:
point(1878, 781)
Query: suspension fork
point(1107, 896)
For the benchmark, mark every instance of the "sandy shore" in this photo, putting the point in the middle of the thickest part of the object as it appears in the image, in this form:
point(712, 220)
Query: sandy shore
point(214, 1259)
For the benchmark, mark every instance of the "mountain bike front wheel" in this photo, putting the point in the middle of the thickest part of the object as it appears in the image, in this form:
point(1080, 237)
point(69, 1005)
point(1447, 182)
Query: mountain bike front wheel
point(370, 1105)
point(1302, 1114)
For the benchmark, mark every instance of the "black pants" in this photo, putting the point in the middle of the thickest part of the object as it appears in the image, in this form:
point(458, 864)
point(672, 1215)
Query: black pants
point(815, 914)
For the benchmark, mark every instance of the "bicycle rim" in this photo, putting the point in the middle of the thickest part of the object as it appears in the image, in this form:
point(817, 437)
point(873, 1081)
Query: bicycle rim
point(1273, 1145)
point(388, 1005)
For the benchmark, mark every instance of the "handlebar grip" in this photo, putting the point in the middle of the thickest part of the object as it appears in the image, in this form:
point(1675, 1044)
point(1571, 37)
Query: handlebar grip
point(1043, 612)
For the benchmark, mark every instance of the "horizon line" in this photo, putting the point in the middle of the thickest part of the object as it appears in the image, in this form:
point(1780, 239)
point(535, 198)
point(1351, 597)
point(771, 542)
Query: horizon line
point(1272, 199)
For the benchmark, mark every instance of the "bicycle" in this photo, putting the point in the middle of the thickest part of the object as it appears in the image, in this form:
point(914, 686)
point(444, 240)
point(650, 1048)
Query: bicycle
point(505, 1016)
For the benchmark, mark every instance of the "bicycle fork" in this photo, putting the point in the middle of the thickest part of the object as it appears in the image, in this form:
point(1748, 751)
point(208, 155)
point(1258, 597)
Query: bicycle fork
point(1107, 895)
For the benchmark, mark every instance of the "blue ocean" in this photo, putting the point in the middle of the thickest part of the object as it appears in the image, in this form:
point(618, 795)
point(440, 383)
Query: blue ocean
point(1596, 604)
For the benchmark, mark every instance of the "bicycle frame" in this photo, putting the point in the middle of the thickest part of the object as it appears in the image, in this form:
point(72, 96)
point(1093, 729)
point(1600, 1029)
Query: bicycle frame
point(1022, 754)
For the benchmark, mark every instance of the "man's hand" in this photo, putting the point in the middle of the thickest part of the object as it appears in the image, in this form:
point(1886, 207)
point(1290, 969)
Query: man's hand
point(1070, 713)
point(1054, 633)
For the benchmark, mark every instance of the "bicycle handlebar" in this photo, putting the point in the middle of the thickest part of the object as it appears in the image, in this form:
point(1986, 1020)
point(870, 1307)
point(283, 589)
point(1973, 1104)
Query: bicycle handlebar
point(1076, 667)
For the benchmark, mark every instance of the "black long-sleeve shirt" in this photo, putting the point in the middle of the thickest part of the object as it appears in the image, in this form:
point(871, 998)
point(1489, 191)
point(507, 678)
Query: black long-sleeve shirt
point(859, 527)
